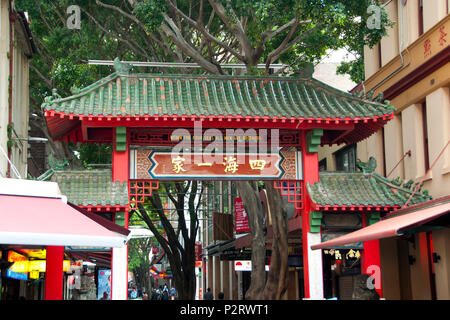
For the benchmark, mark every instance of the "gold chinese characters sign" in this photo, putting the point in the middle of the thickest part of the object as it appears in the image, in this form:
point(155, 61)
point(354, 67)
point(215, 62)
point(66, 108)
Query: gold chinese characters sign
point(164, 165)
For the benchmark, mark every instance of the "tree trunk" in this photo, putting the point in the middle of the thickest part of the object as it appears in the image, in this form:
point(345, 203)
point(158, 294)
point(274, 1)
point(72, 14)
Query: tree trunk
point(278, 274)
point(255, 212)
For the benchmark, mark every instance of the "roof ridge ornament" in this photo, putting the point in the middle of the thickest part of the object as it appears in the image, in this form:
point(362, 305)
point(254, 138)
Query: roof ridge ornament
point(367, 167)
point(305, 70)
point(49, 99)
point(122, 67)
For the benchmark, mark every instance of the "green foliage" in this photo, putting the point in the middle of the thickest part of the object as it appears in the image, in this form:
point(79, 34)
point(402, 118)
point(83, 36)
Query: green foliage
point(150, 12)
point(354, 68)
point(92, 153)
point(69, 75)
point(106, 33)
point(138, 251)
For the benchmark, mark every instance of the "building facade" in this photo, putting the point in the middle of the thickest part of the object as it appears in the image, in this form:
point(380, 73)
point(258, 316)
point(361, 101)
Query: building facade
point(16, 50)
point(411, 67)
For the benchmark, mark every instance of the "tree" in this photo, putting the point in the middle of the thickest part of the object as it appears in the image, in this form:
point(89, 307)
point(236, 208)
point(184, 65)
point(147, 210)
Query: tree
point(208, 32)
point(178, 242)
point(139, 264)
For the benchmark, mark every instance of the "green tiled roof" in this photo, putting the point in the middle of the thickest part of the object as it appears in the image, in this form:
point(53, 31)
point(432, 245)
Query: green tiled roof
point(361, 189)
point(91, 187)
point(123, 94)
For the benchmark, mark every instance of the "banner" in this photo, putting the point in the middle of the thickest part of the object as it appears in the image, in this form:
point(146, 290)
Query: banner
point(104, 284)
point(240, 216)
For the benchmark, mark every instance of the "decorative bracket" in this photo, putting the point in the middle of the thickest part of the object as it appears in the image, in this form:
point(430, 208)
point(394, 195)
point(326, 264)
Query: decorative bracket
point(292, 189)
point(315, 221)
point(313, 140)
point(121, 139)
point(138, 190)
point(372, 218)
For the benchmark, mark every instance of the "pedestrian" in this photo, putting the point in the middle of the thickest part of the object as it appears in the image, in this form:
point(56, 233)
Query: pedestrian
point(133, 294)
point(221, 295)
point(105, 296)
point(208, 295)
point(172, 293)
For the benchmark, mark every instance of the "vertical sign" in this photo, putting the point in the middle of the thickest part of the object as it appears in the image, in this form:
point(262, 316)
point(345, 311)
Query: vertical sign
point(240, 216)
point(104, 284)
point(198, 250)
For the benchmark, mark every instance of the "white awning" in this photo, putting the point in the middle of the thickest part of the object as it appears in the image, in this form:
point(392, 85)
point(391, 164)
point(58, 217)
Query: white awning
point(50, 221)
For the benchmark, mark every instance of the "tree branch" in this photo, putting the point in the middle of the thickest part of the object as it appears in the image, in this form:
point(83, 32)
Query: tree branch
point(285, 46)
point(237, 29)
point(172, 31)
point(47, 81)
point(199, 26)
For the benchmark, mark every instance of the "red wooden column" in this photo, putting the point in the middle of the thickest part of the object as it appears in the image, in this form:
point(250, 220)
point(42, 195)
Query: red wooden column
point(119, 256)
point(370, 262)
point(121, 155)
point(54, 273)
point(312, 273)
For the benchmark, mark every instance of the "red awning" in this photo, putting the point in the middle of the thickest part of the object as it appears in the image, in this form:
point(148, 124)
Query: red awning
point(27, 220)
point(393, 225)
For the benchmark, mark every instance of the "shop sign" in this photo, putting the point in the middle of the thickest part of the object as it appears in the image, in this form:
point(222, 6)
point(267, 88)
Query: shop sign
point(327, 236)
point(16, 275)
point(245, 265)
point(240, 216)
point(198, 251)
point(14, 257)
point(342, 220)
point(168, 165)
point(35, 265)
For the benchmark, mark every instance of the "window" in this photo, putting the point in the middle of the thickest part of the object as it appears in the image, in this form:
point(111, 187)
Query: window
point(425, 136)
point(346, 159)
point(380, 62)
point(420, 17)
point(323, 164)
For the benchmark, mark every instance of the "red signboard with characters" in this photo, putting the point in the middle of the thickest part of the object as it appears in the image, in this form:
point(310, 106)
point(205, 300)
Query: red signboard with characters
point(198, 251)
point(240, 216)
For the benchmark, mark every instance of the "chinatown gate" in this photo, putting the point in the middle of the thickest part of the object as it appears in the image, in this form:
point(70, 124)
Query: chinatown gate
point(165, 127)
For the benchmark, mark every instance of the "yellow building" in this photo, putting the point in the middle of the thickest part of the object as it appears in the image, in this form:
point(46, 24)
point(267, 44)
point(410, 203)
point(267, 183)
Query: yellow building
point(16, 49)
point(411, 67)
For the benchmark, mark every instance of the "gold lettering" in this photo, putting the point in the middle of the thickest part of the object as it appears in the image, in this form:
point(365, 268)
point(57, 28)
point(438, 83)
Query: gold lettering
point(178, 164)
point(257, 164)
point(230, 164)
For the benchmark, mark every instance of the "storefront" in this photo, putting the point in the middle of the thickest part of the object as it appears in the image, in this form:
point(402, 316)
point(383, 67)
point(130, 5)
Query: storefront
point(347, 202)
point(44, 222)
point(425, 227)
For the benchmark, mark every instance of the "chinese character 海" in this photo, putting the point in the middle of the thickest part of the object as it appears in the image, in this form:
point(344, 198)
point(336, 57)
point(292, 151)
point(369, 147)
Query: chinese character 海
point(230, 164)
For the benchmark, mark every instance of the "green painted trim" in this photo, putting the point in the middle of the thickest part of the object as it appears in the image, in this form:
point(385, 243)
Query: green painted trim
point(120, 219)
point(121, 139)
point(421, 229)
point(313, 140)
point(315, 221)
point(373, 218)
